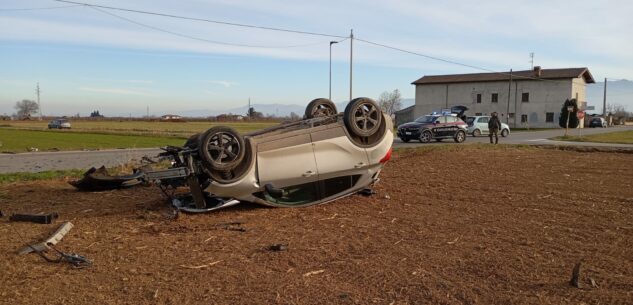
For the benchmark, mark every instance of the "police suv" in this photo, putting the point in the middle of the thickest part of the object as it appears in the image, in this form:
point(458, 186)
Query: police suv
point(438, 126)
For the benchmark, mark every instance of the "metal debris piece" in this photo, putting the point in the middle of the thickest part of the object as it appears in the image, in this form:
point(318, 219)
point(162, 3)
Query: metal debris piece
point(78, 261)
point(43, 219)
point(575, 276)
point(367, 192)
point(52, 240)
point(593, 283)
point(1, 214)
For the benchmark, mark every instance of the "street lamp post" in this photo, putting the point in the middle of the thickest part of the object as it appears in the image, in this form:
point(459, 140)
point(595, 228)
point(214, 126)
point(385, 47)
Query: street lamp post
point(331, 43)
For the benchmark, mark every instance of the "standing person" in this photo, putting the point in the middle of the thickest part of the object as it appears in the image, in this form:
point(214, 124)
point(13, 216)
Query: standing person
point(493, 127)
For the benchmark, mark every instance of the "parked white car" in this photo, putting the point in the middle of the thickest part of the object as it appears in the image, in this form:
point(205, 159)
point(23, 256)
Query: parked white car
point(478, 126)
point(59, 124)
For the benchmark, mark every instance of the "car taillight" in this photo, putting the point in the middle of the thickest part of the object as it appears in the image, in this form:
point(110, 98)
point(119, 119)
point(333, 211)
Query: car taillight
point(387, 156)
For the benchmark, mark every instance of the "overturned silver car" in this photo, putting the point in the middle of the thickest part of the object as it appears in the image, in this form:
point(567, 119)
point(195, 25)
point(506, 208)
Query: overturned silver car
point(323, 157)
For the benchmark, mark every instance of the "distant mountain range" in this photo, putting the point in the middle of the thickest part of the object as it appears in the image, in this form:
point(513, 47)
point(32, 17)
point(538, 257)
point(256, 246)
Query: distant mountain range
point(278, 110)
point(618, 92)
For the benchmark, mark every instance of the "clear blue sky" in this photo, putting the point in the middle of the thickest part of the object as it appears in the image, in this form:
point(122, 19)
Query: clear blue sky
point(87, 60)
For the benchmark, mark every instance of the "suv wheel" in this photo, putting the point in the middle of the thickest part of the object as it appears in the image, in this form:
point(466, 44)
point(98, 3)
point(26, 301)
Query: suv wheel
point(426, 137)
point(460, 136)
point(504, 133)
point(476, 133)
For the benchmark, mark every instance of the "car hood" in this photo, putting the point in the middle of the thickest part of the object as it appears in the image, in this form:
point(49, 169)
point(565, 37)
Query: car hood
point(412, 125)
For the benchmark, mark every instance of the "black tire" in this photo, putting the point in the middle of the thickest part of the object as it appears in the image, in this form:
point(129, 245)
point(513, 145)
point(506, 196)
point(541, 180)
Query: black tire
point(319, 108)
point(460, 136)
point(362, 117)
point(504, 133)
point(476, 133)
point(221, 148)
point(405, 140)
point(426, 136)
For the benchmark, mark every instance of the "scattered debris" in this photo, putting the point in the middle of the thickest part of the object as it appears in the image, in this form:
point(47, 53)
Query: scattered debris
point(201, 266)
point(232, 226)
point(1, 214)
point(32, 149)
point(43, 219)
point(52, 240)
point(575, 276)
point(367, 192)
point(100, 180)
point(278, 247)
point(78, 261)
point(593, 283)
point(314, 272)
point(387, 196)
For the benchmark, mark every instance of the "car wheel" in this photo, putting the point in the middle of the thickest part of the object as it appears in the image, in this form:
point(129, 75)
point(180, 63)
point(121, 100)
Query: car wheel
point(504, 133)
point(425, 137)
point(362, 117)
point(221, 148)
point(320, 107)
point(405, 140)
point(476, 133)
point(460, 136)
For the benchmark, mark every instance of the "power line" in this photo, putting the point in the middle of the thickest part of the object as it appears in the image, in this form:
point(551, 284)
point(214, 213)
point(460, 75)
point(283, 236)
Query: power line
point(450, 61)
point(204, 20)
point(198, 38)
point(37, 8)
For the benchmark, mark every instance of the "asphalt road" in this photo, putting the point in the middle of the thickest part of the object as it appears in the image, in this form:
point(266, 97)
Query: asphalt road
point(44, 161)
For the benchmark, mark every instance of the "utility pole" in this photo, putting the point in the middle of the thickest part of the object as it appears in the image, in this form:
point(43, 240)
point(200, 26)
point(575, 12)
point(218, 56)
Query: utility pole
point(604, 100)
point(508, 109)
point(351, 57)
point(248, 112)
point(147, 112)
point(532, 59)
point(39, 106)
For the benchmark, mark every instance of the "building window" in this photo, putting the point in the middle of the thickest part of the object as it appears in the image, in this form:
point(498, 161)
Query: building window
point(494, 98)
point(549, 117)
point(478, 98)
point(524, 118)
point(478, 113)
point(511, 115)
point(525, 97)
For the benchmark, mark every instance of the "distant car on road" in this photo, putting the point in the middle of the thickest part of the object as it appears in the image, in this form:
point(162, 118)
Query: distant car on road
point(478, 125)
point(598, 122)
point(434, 126)
point(59, 124)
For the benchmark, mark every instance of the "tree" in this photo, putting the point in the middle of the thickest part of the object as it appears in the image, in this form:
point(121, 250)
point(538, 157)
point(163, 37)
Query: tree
point(617, 110)
point(26, 107)
point(390, 102)
point(96, 114)
point(565, 114)
point(252, 114)
point(294, 116)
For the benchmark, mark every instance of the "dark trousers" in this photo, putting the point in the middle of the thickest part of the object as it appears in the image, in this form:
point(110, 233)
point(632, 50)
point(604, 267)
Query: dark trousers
point(494, 132)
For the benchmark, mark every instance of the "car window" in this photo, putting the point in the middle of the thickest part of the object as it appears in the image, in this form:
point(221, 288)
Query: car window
point(470, 120)
point(294, 195)
point(337, 185)
point(426, 119)
point(483, 120)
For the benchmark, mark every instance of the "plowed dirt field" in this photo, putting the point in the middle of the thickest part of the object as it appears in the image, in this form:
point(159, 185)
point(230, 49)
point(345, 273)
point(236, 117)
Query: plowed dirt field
point(460, 225)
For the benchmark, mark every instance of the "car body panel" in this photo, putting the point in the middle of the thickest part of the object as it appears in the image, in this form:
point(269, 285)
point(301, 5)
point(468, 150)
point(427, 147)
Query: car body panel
point(480, 123)
point(311, 165)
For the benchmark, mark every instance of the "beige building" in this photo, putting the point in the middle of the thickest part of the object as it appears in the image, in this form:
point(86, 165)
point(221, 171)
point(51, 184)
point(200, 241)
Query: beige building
point(532, 98)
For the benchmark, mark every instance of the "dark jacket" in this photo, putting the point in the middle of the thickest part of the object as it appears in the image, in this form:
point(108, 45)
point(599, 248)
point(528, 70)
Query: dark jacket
point(494, 123)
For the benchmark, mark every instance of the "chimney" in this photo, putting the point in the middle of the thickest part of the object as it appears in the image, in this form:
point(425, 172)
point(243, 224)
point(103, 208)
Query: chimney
point(537, 71)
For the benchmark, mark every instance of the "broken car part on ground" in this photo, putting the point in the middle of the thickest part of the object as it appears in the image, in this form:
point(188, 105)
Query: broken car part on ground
point(325, 156)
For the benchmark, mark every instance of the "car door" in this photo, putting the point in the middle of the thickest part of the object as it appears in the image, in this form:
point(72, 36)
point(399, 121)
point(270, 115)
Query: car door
point(288, 163)
point(335, 154)
point(439, 129)
point(482, 124)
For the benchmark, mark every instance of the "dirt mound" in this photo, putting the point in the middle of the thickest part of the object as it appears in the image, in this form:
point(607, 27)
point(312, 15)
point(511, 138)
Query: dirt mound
point(462, 226)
